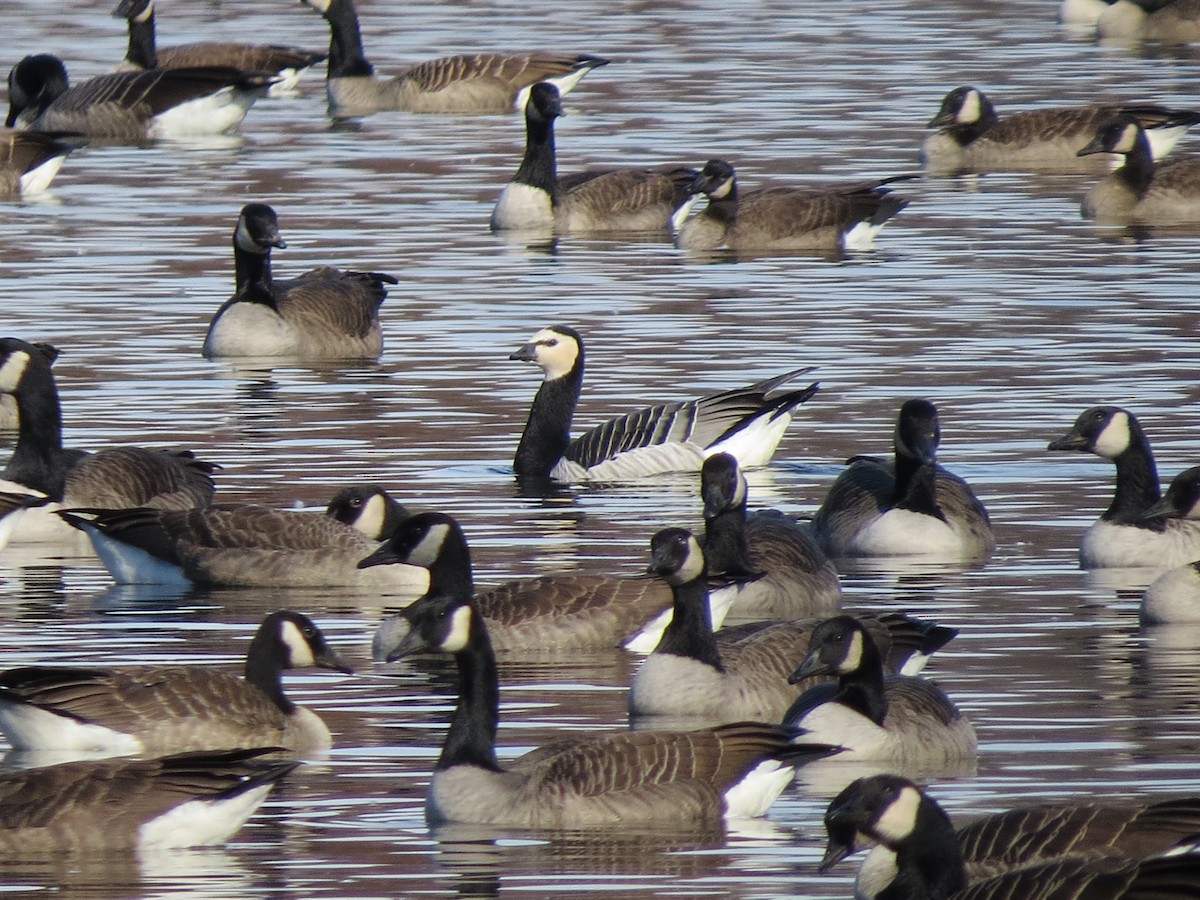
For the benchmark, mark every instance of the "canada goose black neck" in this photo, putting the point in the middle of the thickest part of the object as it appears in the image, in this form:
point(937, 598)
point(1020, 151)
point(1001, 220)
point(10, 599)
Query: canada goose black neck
point(140, 15)
point(841, 646)
point(38, 460)
point(548, 430)
point(678, 559)
point(722, 490)
point(539, 165)
point(346, 56)
point(254, 235)
point(1138, 486)
point(471, 739)
point(265, 662)
point(1138, 170)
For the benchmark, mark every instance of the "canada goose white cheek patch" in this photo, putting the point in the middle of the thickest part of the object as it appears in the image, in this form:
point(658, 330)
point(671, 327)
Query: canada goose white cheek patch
point(969, 111)
point(244, 241)
point(1114, 438)
point(370, 518)
point(425, 553)
point(899, 819)
point(13, 370)
point(300, 652)
point(145, 15)
point(459, 635)
point(693, 564)
point(853, 658)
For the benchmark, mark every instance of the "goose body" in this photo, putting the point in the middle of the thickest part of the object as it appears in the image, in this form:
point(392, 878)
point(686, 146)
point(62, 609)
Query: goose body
point(898, 719)
point(747, 422)
point(1174, 596)
point(12, 509)
point(911, 507)
point(794, 577)
point(603, 200)
point(1049, 852)
point(113, 478)
point(186, 800)
point(1140, 190)
point(131, 106)
point(165, 709)
point(825, 219)
point(325, 313)
point(242, 545)
point(285, 64)
point(1169, 22)
point(29, 160)
point(463, 84)
point(975, 138)
point(1125, 536)
point(687, 779)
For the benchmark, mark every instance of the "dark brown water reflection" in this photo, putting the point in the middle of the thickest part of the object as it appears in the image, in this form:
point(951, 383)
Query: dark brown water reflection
point(989, 295)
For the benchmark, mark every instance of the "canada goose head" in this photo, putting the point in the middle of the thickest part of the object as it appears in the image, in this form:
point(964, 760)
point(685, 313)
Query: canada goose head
point(1107, 431)
point(321, 6)
point(717, 180)
point(722, 484)
point(293, 641)
point(1182, 498)
point(544, 104)
point(557, 351)
point(837, 646)
point(917, 432)
point(676, 556)
point(33, 84)
point(420, 540)
point(257, 229)
point(18, 358)
point(963, 106)
point(369, 509)
point(878, 808)
point(441, 623)
point(1120, 135)
point(134, 10)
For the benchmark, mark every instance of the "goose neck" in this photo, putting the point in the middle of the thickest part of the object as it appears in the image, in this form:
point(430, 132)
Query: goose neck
point(1137, 482)
point(548, 430)
point(252, 272)
point(690, 632)
point(346, 56)
point(39, 434)
point(725, 544)
point(539, 167)
point(862, 688)
point(929, 866)
point(471, 739)
point(916, 487)
point(1138, 170)
point(142, 52)
point(264, 670)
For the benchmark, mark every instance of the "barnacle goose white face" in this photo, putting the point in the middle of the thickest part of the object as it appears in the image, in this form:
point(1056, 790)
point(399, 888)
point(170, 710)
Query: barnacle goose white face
point(898, 820)
point(458, 634)
point(12, 370)
point(554, 352)
point(1114, 438)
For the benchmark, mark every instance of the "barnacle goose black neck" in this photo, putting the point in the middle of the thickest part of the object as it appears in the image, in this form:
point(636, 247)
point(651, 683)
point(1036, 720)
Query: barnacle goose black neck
point(286, 64)
point(162, 709)
point(1046, 853)
point(468, 83)
point(747, 422)
point(900, 719)
point(131, 106)
point(826, 218)
point(1124, 536)
point(29, 160)
point(909, 507)
point(596, 200)
point(186, 800)
point(325, 313)
point(643, 778)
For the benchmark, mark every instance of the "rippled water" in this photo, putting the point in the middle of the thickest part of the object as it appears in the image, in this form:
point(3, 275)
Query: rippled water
point(988, 295)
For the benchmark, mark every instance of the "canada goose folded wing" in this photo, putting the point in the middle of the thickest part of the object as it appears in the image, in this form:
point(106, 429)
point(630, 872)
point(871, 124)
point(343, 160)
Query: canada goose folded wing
point(243, 57)
point(120, 477)
point(618, 192)
point(29, 160)
point(154, 91)
point(511, 70)
point(779, 213)
point(305, 301)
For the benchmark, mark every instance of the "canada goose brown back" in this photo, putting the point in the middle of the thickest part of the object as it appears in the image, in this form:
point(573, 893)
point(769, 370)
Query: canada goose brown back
point(286, 64)
point(186, 800)
point(163, 709)
point(819, 218)
point(465, 84)
point(325, 313)
point(601, 200)
point(29, 160)
point(131, 106)
point(1166, 21)
point(1141, 190)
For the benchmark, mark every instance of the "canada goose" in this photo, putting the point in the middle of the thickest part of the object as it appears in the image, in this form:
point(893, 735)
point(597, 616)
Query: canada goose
point(820, 218)
point(325, 313)
point(973, 136)
point(1124, 536)
point(899, 719)
point(551, 612)
point(369, 509)
point(164, 709)
point(12, 509)
point(687, 779)
point(29, 160)
point(186, 800)
point(237, 545)
point(911, 507)
point(131, 106)
point(1059, 852)
point(286, 64)
point(695, 672)
point(113, 478)
point(8, 405)
point(1140, 191)
point(795, 577)
point(1174, 597)
point(599, 200)
point(1167, 21)
point(674, 437)
point(469, 83)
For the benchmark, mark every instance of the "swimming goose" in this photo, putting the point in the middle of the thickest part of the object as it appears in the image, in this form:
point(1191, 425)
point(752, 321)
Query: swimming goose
point(165, 709)
point(741, 674)
point(1046, 853)
point(12, 508)
point(286, 64)
point(911, 507)
point(595, 200)
point(818, 218)
point(1174, 597)
point(238, 545)
point(468, 83)
point(186, 800)
point(1124, 536)
point(131, 106)
point(674, 437)
point(687, 779)
point(368, 508)
point(1140, 191)
point(552, 612)
point(973, 136)
point(795, 577)
point(898, 719)
point(29, 160)
point(1168, 21)
point(325, 313)
point(113, 478)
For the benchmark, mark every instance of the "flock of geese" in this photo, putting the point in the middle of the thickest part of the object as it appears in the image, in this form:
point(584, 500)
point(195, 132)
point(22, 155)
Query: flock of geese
point(723, 716)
